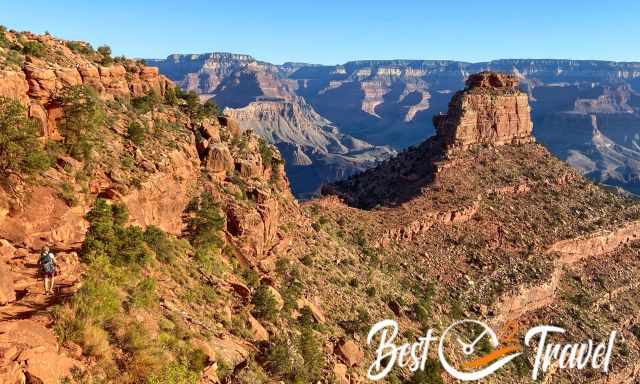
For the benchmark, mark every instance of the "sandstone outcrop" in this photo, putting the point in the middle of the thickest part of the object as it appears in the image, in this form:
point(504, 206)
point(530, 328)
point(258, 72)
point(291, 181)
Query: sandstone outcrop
point(491, 110)
point(340, 373)
point(45, 218)
point(40, 82)
point(14, 85)
point(161, 200)
point(258, 331)
point(351, 353)
point(218, 160)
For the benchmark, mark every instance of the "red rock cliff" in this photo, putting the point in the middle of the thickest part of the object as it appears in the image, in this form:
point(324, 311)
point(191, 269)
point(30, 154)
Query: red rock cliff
point(38, 82)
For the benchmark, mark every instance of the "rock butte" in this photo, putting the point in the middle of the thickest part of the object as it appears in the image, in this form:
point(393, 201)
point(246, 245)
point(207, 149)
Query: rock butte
point(491, 110)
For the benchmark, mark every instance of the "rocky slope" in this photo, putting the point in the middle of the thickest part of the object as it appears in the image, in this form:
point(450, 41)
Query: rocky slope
point(173, 156)
point(392, 102)
point(504, 232)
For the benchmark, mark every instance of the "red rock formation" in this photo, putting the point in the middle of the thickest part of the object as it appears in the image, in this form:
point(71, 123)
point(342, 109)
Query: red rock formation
point(491, 110)
point(351, 353)
point(183, 158)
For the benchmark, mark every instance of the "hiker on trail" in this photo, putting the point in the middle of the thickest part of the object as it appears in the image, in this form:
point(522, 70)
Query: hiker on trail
point(47, 264)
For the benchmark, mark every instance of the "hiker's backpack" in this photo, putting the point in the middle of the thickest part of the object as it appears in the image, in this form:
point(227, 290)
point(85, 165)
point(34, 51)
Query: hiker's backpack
point(46, 263)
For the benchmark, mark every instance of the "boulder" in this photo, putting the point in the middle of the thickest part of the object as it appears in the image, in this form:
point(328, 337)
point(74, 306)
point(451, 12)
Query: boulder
point(239, 287)
point(249, 168)
point(14, 85)
point(315, 310)
point(210, 129)
point(218, 159)
point(351, 353)
point(7, 289)
point(11, 373)
point(255, 229)
point(257, 330)
point(36, 350)
point(229, 350)
point(210, 374)
point(47, 367)
point(7, 250)
point(340, 374)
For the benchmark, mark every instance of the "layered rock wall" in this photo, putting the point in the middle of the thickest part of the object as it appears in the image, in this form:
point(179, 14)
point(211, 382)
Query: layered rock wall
point(570, 252)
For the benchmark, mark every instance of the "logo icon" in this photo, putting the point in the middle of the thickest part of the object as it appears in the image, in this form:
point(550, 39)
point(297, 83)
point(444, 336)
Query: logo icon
point(476, 348)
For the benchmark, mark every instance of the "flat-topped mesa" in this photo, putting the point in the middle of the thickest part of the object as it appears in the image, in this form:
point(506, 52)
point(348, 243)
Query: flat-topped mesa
point(490, 110)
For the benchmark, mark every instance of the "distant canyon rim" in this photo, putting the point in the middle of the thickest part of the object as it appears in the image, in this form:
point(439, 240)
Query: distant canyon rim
point(331, 121)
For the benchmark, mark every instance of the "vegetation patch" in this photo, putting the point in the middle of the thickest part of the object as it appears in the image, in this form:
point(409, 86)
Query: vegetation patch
point(99, 316)
point(21, 151)
point(84, 114)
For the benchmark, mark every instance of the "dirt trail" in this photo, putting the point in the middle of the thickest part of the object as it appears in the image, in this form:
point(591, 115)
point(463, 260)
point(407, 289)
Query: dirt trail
point(29, 349)
point(31, 302)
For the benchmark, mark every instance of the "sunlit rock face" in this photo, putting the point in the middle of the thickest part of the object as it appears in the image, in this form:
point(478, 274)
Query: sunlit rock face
point(490, 110)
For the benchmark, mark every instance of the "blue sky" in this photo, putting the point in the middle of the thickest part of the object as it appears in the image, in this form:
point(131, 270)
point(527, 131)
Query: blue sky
point(332, 32)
